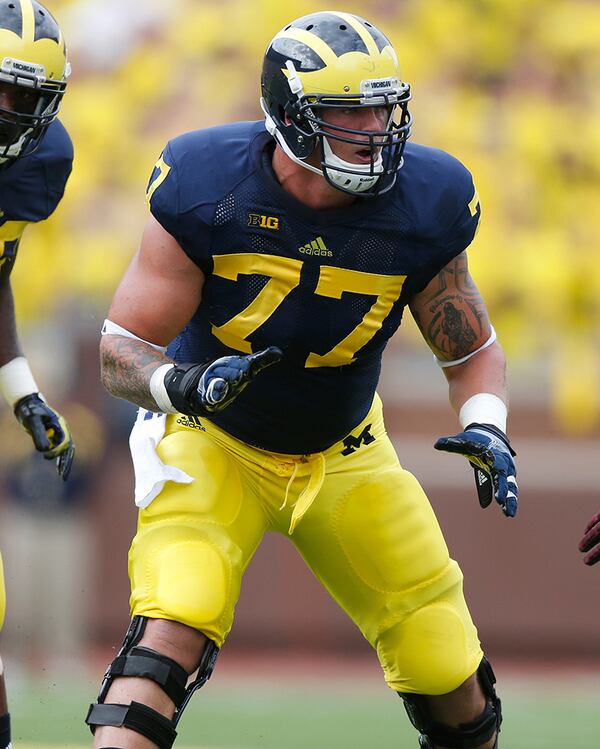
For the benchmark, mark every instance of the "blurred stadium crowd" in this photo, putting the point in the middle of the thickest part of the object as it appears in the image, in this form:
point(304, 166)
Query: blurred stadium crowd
point(510, 88)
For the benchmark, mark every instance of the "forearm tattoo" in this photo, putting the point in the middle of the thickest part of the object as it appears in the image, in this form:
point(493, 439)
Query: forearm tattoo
point(454, 319)
point(127, 366)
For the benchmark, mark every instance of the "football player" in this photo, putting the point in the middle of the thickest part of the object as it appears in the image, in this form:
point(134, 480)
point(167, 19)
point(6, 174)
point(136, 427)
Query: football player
point(275, 266)
point(36, 155)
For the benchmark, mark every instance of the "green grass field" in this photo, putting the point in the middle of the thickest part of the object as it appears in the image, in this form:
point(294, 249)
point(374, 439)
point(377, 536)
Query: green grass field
point(268, 713)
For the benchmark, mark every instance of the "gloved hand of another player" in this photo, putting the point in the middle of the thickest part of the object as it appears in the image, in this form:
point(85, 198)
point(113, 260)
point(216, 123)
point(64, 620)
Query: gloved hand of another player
point(590, 543)
point(49, 431)
point(198, 389)
point(488, 450)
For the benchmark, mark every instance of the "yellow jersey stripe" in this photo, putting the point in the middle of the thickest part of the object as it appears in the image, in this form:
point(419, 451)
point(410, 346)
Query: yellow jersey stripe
point(163, 171)
point(473, 203)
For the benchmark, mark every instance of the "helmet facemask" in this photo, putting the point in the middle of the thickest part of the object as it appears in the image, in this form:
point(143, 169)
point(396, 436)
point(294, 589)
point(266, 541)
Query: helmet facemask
point(383, 148)
point(34, 104)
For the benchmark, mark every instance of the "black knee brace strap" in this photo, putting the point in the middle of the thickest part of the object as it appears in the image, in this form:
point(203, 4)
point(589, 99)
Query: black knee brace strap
point(467, 735)
point(142, 662)
point(137, 717)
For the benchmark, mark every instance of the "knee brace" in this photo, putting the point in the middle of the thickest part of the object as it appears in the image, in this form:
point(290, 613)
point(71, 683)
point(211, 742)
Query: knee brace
point(467, 735)
point(146, 663)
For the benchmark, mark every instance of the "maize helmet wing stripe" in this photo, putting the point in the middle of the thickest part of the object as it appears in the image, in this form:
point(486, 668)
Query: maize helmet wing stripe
point(36, 37)
point(329, 27)
point(336, 50)
point(368, 40)
point(380, 39)
point(312, 41)
point(28, 20)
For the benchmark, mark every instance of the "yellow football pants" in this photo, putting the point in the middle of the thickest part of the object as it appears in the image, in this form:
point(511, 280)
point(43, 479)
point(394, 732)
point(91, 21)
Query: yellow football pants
point(362, 523)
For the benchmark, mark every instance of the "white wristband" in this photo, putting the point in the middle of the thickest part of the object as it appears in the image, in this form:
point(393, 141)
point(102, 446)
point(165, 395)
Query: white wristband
point(159, 391)
point(16, 380)
point(484, 408)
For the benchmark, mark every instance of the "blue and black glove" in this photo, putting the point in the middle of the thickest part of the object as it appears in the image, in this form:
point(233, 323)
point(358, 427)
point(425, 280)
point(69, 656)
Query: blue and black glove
point(48, 430)
point(201, 389)
point(489, 452)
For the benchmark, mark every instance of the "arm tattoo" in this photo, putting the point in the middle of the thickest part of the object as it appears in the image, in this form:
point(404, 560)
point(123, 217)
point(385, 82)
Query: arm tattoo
point(456, 318)
point(127, 366)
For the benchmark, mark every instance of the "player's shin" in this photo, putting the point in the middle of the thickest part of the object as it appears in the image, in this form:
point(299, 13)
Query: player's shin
point(480, 733)
point(135, 660)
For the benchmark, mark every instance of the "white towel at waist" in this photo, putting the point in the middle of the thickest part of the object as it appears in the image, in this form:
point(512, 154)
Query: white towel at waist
point(151, 474)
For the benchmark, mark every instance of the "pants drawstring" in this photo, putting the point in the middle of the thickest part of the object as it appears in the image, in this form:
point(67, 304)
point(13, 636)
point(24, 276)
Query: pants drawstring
point(306, 497)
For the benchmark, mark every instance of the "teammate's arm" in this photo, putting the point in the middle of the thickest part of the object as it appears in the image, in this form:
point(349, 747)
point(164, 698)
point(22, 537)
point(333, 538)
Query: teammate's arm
point(453, 319)
point(46, 427)
point(157, 297)
point(9, 344)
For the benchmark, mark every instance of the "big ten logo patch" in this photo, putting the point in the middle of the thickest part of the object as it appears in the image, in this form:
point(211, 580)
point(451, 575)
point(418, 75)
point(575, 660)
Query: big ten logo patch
point(352, 443)
point(262, 221)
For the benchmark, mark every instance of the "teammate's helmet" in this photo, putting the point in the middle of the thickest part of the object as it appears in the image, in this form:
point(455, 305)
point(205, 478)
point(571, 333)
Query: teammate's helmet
point(33, 74)
point(332, 59)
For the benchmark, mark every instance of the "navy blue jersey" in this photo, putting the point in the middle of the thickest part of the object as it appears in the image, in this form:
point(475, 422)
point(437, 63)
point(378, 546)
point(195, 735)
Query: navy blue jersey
point(32, 186)
point(327, 287)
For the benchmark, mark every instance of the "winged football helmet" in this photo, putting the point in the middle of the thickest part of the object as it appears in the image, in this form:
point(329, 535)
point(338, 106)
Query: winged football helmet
point(332, 59)
point(33, 75)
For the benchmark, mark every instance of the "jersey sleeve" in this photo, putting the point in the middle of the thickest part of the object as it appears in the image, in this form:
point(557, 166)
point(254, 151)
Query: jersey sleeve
point(190, 226)
point(466, 210)
point(38, 180)
point(453, 219)
point(57, 168)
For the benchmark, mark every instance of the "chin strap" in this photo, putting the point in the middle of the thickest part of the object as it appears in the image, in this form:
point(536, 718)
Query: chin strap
point(349, 176)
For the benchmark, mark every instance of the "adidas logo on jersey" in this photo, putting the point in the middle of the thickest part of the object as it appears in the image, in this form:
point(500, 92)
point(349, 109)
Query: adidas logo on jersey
point(316, 247)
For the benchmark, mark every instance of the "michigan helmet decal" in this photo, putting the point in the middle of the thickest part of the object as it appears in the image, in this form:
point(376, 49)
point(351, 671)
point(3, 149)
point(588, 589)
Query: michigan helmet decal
point(326, 60)
point(33, 74)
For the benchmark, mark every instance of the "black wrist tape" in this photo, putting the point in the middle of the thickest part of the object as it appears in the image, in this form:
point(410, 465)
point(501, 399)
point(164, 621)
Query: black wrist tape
point(181, 384)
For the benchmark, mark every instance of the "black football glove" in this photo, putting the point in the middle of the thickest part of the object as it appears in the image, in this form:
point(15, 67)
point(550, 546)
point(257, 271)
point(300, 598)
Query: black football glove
point(201, 389)
point(489, 452)
point(48, 430)
point(590, 543)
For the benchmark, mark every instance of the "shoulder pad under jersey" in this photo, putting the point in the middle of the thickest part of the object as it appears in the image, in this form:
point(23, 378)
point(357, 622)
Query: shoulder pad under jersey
point(194, 172)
